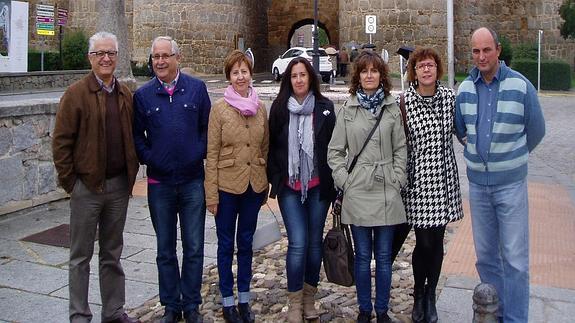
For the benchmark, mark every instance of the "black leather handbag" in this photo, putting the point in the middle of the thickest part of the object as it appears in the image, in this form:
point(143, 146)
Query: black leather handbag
point(338, 256)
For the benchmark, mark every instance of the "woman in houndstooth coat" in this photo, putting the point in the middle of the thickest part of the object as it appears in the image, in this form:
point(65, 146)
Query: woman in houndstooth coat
point(432, 196)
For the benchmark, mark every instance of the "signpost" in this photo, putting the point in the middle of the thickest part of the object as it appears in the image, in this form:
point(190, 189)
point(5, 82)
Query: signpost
point(62, 21)
point(45, 19)
point(370, 25)
point(44, 25)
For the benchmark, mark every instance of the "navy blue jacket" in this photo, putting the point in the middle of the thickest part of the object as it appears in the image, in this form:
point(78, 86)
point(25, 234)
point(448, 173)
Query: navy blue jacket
point(170, 132)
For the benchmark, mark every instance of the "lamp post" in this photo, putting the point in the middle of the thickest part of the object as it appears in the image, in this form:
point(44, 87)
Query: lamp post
point(315, 36)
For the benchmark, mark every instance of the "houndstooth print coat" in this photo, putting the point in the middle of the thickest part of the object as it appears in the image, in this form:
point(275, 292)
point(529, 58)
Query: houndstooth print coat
point(432, 196)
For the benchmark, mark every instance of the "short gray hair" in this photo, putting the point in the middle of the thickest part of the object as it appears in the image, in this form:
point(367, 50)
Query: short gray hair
point(175, 47)
point(100, 36)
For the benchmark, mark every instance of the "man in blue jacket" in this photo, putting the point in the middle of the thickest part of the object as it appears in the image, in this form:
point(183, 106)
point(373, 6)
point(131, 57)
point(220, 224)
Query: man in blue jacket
point(499, 119)
point(170, 133)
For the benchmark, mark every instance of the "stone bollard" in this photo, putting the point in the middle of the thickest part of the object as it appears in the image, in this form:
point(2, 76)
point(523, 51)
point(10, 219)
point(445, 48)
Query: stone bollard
point(485, 304)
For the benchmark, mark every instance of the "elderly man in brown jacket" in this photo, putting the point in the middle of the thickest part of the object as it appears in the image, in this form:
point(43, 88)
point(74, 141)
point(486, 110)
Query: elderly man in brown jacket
point(96, 162)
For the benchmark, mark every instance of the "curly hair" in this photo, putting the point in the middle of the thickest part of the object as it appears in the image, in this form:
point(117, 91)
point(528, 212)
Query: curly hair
point(361, 62)
point(417, 56)
point(236, 56)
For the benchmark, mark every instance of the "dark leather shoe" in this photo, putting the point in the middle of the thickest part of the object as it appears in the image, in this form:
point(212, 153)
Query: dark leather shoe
point(364, 317)
point(170, 317)
point(193, 316)
point(246, 313)
point(383, 318)
point(124, 319)
point(231, 314)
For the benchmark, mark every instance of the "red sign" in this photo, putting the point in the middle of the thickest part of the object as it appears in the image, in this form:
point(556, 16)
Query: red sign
point(46, 20)
point(62, 17)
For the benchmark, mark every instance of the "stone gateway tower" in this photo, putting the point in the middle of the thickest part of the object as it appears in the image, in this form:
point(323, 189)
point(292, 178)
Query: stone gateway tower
point(208, 30)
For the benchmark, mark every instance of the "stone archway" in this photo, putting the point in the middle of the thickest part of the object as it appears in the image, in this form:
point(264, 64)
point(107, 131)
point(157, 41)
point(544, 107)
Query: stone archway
point(305, 22)
point(285, 16)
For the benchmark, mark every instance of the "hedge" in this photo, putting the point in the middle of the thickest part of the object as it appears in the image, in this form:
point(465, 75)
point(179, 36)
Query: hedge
point(51, 61)
point(555, 74)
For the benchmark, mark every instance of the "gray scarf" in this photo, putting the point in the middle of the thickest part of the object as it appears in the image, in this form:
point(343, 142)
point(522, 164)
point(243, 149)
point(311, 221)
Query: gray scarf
point(300, 142)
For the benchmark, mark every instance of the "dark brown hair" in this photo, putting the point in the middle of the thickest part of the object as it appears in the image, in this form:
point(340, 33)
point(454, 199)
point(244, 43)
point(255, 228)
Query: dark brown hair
point(236, 56)
point(417, 56)
point(286, 89)
point(362, 61)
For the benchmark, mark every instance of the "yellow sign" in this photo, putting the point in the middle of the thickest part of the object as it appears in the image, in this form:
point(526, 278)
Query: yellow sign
point(45, 32)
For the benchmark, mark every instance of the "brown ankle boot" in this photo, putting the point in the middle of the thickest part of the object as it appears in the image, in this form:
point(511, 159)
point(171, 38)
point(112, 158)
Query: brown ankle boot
point(295, 314)
point(309, 311)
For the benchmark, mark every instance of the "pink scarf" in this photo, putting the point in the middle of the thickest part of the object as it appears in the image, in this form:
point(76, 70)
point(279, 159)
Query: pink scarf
point(247, 106)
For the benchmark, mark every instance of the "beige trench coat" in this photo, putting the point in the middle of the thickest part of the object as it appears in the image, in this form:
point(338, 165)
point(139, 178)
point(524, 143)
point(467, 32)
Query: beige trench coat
point(372, 190)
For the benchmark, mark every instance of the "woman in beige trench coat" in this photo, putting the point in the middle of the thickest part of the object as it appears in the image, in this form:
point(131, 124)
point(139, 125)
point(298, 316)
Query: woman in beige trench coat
point(371, 202)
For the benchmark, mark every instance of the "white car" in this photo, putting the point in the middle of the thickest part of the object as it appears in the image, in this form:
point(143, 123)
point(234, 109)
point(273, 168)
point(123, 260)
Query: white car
point(279, 66)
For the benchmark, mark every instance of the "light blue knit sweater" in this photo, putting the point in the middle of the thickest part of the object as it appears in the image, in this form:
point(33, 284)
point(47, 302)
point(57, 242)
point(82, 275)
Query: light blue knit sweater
point(518, 126)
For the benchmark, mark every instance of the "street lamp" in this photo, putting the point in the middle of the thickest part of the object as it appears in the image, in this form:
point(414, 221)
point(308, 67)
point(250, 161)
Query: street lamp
point(315, 36)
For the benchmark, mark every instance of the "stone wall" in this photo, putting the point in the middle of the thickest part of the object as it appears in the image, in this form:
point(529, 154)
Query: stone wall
point(28, 176)
point(414, 23)
point(283, 15)
point(206, 30)
point(517, 20)
point(83, 14)
point(19, 82)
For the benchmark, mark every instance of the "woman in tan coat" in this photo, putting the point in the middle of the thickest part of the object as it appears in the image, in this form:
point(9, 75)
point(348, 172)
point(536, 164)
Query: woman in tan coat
point(236, 180)
point(371, 198)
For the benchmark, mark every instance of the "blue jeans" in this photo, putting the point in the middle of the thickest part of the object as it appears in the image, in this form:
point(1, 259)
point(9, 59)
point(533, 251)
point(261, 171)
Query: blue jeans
point(244, 209)
point(166, 202)
point(377, 240)
point(304, 224)
point(500, 219)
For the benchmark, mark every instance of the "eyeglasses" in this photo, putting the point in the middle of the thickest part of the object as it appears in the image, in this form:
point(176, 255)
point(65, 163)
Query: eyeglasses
point(102, 53)
point(426, 66)
point(163, 57)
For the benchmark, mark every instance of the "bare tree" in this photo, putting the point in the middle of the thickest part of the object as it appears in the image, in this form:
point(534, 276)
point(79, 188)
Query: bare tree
point(112, 18)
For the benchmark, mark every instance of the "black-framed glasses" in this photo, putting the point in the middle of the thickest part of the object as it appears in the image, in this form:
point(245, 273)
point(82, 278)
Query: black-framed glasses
point(426, 66)
point(163, 56)
point(102, 53)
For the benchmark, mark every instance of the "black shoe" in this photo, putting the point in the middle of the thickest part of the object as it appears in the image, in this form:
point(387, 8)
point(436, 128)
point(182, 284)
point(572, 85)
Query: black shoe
point(170, 317)
point(193, 316)
point(246, 313)
point(124, 318)
point(383, 318)
point(418, 312)
point(364, 317)
point(231, 315)
point(430, 309)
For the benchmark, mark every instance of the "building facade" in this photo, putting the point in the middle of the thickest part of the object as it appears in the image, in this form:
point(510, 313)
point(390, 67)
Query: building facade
point(208, 29)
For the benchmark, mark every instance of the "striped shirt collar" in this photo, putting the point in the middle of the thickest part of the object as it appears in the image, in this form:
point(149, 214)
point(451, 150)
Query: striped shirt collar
point(108, 89)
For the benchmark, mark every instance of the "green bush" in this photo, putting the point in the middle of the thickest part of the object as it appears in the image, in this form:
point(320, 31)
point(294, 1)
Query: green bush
point(75, 51)
point(506, 51)
point(525, 51)
point(555, 74)
point(51, 61)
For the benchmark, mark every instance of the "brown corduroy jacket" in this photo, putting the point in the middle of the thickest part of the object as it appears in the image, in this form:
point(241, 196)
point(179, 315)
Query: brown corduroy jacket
point(79, 137)
point(237, 151)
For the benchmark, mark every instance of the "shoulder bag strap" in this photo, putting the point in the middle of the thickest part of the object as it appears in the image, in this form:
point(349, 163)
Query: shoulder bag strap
point(354, 161)
point(403, 114)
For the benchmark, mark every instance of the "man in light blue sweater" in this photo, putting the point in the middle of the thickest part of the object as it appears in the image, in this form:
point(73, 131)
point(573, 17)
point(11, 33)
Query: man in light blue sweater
point(499, 119)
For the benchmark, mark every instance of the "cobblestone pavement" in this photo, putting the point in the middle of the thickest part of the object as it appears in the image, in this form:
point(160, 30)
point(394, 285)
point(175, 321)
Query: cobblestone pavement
point(269, 289)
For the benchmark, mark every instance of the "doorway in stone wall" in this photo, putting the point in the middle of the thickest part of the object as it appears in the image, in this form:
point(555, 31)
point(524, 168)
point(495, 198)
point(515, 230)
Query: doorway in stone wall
point(301, 34)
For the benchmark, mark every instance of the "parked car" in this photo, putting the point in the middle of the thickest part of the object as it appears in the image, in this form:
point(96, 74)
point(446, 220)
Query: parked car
point(279, 66)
